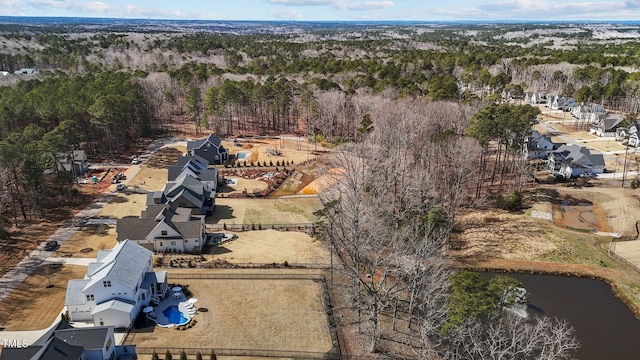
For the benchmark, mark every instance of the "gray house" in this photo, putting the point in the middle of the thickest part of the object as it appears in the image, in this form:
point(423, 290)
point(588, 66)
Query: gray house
point(570, 161)
point(209, 148)
point(63, 342)
point(195, 167)
point(186, 192)
point(74, 162)
point(163, 228)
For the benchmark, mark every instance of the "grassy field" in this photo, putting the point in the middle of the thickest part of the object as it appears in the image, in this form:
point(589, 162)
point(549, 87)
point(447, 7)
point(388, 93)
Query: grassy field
point(284, 315)
point(150, 178)
point(264, 211)
point(32, 306)
point(268, 246)
point(88, 240)
point(124, 205)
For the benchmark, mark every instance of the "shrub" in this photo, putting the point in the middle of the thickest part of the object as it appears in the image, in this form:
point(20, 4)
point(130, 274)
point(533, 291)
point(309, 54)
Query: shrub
point(635, 183)
point(252, 164)
point(183, 355)
point(213, 356)
point(168, 356)
point(270, 163)
point(198, 356)
point(253, 226)
point(511, 201)
point(155, 356)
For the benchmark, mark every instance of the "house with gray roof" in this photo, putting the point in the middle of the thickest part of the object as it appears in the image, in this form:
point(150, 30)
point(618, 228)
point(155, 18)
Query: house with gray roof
point(538, 146)
point(571, 161)
point(74, 162)
point(209, 148)
point(186, 192)
point(164, 228)
point(64, 342)
point(114, 288)
point(196, 168)
point(607, 125)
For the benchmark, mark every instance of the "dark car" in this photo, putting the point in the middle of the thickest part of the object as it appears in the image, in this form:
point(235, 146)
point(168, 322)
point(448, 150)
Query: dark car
point(51, 245)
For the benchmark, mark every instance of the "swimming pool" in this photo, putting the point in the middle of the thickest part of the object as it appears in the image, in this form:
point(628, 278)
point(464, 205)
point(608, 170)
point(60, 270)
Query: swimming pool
point(243, 155)
point(174, 315)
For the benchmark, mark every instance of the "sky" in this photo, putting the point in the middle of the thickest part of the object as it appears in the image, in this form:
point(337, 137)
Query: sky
point(326, 10)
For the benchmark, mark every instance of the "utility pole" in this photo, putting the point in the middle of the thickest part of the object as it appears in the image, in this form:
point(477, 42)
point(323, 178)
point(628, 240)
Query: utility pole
point(624, 166)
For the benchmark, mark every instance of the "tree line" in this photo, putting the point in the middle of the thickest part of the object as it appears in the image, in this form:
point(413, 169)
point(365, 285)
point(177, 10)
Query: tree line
point(389, 218)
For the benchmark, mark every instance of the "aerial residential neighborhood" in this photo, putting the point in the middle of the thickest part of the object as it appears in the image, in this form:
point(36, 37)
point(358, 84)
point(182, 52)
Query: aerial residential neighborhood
point(270, 189)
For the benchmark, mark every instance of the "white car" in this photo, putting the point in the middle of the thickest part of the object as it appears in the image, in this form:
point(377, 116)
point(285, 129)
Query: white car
point(135, 160)
point(120, 187)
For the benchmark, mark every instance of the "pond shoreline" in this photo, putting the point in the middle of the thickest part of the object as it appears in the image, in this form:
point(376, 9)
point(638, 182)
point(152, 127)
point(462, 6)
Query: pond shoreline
point(604, 274)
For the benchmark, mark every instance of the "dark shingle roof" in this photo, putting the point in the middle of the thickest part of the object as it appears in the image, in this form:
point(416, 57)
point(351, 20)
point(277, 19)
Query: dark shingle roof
point(90, 338)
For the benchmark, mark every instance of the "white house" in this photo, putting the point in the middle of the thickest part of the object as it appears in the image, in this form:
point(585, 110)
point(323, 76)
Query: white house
point(163, 228)
point(608, 125)
point(116, 287)
point(66, 342)
point(538, 146)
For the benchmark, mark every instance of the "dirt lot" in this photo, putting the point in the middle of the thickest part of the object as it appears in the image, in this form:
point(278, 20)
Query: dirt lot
point(124, 205)
point(88, 240)
point(32, 306)
point(251, 314)
point(151, 179)
point(264, 211)
point(268, 246)
point(292, 150)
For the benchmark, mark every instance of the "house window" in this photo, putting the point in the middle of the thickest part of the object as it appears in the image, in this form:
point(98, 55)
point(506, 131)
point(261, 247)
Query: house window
point(160, 243)
point(106, 283)
point(173, 243)
point(164, 232)
point(90, 298)
point(107, 345)
point(186, 241)
point(196, 240)
point(144, 297)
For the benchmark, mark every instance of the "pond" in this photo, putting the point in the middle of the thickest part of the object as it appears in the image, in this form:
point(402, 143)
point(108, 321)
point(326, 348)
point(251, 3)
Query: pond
point(605, 326)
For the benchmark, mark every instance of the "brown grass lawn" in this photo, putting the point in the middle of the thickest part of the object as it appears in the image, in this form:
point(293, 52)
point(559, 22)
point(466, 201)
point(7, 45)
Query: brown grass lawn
point(124, 205)
point(250, 314)
point(150, 178)
point(268, 246)
point(264, 211)
point(31, 306)
point(94, 237)
point(250, 184)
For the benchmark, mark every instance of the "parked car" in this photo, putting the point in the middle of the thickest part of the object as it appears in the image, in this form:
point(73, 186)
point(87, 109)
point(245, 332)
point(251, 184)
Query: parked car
point(114, 179)
point(120, 187)
point(51, 245)
point(135, 160)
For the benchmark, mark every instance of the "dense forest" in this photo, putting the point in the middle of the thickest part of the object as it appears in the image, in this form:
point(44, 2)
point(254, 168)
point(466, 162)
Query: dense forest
point(416, 106)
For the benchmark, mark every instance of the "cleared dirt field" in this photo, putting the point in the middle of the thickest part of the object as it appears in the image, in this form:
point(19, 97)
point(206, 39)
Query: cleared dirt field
point(32, 306)
point(250, 314)
point(292, 150)
point(265, 211)
point(268, 246)
point(124, 205)
point(250, 185)
point(88, 240)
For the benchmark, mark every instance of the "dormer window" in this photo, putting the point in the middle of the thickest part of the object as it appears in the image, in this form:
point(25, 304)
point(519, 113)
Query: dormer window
point(106, 283)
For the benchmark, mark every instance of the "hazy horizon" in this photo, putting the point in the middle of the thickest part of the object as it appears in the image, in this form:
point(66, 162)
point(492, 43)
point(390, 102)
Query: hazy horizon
point(331, 10)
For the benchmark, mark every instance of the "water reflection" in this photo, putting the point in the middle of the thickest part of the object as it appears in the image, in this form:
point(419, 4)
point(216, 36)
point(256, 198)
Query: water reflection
point(606, 328)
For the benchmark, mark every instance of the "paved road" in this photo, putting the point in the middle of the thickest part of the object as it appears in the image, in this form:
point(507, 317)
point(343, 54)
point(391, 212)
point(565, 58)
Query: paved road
point(24, 268)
